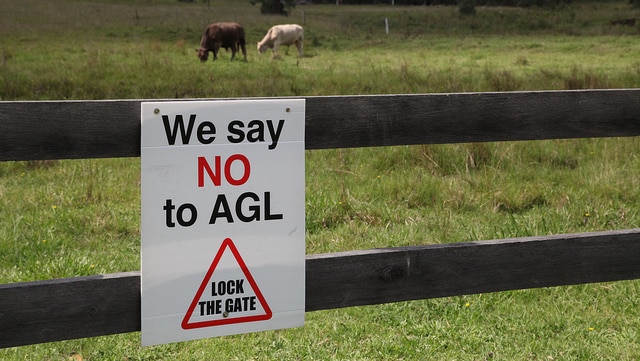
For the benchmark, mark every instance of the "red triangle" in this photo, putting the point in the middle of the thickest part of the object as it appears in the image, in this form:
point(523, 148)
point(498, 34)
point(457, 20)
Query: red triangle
point(227, 243)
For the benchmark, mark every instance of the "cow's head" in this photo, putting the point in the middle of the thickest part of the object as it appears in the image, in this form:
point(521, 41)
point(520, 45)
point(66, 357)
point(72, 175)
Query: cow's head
point(262, 48)
point(203, 54)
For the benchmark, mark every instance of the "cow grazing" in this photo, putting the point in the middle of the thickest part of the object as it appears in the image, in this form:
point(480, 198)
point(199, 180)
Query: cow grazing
point(222, 35)
point(282, 35)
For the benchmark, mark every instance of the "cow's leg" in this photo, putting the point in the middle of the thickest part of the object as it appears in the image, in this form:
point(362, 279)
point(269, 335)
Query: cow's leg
point(233, 51)
point(299, 46)
point(216, 48)
point(275, 49)
point(244, 51)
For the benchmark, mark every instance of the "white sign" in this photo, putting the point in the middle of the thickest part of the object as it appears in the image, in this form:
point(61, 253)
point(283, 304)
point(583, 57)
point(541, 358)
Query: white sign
point(223, 227)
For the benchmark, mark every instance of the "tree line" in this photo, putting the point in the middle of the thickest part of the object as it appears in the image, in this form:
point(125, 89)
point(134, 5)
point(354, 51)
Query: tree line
point(285, 6)
point(466, 6)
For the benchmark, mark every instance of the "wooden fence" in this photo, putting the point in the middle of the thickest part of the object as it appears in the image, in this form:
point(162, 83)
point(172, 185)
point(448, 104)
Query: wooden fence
point(59, 309)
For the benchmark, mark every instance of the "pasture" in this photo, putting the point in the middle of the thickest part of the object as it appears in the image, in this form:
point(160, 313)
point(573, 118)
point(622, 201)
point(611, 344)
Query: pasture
point(72, 218)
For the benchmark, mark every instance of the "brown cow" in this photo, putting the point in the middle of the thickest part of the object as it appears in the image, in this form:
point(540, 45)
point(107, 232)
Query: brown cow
point(222, 35)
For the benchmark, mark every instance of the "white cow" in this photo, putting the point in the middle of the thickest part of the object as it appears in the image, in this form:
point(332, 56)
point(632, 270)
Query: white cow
point(282, 35)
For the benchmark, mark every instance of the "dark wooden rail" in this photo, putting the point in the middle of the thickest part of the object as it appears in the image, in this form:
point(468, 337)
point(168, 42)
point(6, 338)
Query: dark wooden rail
point(52, 310)
point(106, 129)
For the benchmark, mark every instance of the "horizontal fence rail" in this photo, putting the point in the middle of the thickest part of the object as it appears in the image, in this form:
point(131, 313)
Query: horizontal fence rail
point(41, 130)
point(53, 310)
point(60, 309)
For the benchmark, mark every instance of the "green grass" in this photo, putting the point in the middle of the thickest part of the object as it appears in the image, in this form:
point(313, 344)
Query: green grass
point(106, 50)
point(69, 218)
point(72, 218)
point(117, 69)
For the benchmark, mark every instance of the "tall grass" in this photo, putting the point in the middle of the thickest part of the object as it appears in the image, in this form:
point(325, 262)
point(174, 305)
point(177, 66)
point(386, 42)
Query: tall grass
point(71, 218)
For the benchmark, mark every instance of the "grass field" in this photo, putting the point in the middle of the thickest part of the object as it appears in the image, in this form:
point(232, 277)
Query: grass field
point(71, 218)
point(146, 50)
